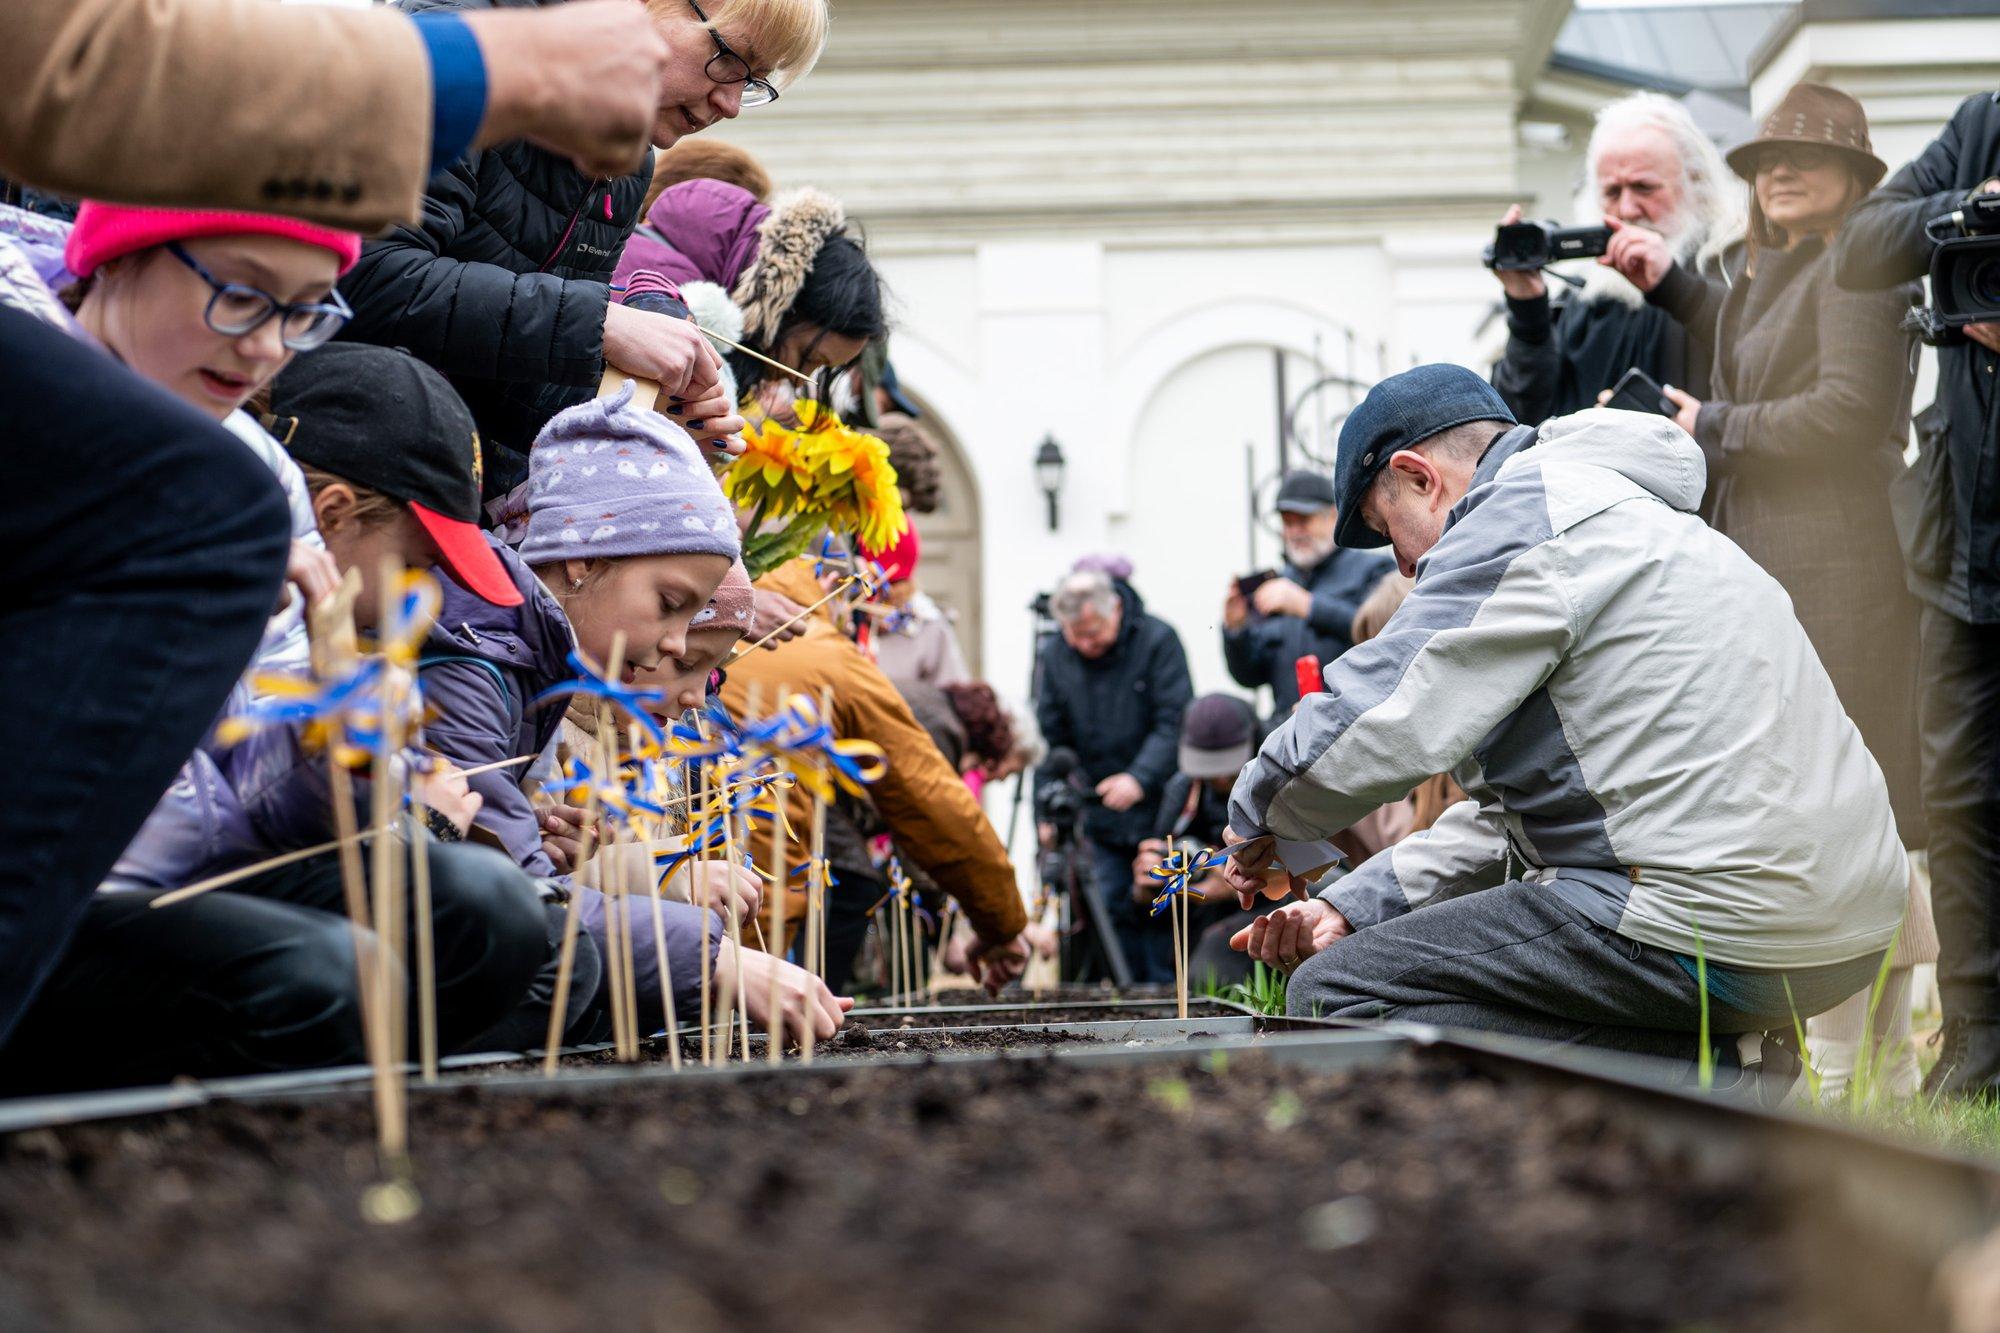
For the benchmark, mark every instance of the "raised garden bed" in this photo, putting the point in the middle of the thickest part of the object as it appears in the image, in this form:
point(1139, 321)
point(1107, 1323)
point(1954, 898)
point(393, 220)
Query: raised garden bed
point(1105, 1190)
point(990, 1015)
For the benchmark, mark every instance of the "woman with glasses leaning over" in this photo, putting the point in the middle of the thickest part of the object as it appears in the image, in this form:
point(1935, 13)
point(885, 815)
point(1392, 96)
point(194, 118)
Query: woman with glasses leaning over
point(1803, 432)
point(505, 286)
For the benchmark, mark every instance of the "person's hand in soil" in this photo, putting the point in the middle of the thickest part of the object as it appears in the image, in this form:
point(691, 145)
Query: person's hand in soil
point(1293, 933)
point(717, 884)
point(1120, 791)
point(775, 617)
point(994, 965)
point(445, 790)
point(562, 837)
point(802, 997)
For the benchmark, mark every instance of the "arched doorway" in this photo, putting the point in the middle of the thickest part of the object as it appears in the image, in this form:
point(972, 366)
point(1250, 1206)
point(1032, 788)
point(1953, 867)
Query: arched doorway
point(951, 568)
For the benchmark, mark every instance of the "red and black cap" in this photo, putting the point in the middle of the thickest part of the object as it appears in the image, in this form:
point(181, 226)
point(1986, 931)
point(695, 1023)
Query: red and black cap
point(380, 418)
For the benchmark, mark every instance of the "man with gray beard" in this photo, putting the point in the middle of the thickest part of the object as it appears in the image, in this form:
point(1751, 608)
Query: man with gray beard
point(1649, 167)
point(1309, 608)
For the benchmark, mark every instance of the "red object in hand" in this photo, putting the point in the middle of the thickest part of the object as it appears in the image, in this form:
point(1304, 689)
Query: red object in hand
point(1310, 680)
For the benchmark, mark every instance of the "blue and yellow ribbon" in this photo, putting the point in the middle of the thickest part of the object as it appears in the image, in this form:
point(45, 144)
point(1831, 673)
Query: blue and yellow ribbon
point(590, 681)
point(1176, 874)
point(799, 741)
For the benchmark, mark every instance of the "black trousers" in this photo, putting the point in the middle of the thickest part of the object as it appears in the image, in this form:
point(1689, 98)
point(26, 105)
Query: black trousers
point(1960, 722)
point(143, 547)
point(260, 977)
point(847, 906)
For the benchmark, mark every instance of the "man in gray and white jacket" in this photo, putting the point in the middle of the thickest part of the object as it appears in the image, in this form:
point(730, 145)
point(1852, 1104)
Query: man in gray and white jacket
point(1662, 780)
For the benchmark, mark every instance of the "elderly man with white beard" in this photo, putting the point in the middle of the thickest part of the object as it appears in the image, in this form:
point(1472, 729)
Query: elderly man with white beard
point(1651, 171)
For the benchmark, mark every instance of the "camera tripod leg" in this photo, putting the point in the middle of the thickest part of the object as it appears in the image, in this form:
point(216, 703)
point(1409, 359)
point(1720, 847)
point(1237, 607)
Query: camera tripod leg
point(1104, 938)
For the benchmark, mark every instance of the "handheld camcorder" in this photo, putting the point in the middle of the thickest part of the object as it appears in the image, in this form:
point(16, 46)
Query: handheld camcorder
point(1965, 270)
point(1533, 245)
point(1062, 791)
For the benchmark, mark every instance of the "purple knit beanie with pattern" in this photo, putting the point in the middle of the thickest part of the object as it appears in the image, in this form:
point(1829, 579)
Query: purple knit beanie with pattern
point(606, 479)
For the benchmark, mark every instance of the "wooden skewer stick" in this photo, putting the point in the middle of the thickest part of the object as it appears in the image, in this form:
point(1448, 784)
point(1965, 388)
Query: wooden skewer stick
point(774, 1024)
point(498, 764)
point(756, 355)
point(736, 928)
point(566, 962)
point(333, 643)
point(624, 988)
point(946, 920)
point(912, 982)
point(385, 803)
point(699, 840)
point(650, 828)
point(1179, 905)
point(227, 878)
point(420, 884)
point(813, 951)
point(732, 987)
point(354, 892)
point(742, 784)
point(646, 393)
point(742, 650)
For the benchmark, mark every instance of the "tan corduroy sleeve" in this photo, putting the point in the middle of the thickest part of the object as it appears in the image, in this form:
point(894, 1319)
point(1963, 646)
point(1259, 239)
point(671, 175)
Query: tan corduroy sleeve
point(320, 113)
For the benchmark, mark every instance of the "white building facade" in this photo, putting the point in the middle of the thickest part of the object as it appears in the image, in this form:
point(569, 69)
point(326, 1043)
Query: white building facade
point(1103, 222)
point(1112, 223)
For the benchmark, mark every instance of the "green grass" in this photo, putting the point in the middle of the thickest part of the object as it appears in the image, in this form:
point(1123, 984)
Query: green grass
point(1965, 1125)
point(1263, 992)
point(1955, 1124)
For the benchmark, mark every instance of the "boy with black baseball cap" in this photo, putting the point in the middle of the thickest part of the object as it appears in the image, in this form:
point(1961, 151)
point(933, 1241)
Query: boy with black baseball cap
point(381, 421)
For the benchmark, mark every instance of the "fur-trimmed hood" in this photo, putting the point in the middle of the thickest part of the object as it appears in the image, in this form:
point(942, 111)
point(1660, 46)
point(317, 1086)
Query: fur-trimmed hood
point(739, 265)
point(790, 240)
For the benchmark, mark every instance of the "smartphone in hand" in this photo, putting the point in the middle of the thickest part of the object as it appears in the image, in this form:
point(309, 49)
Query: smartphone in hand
point(1247, 584)
point(1636, 391)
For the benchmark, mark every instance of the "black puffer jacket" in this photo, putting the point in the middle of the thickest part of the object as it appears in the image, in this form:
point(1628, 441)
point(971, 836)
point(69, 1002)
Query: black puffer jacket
point(1120, 713)
point(504, 285)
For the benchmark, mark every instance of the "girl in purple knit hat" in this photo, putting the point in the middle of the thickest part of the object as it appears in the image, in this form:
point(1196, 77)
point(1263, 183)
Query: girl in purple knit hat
point(628, 532)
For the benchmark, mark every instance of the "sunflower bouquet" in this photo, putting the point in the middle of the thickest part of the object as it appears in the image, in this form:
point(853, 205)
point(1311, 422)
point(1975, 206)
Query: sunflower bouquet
point(825, 475)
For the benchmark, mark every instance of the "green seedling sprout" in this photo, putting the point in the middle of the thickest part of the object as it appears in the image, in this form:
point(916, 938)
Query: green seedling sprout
point(1705, 1058)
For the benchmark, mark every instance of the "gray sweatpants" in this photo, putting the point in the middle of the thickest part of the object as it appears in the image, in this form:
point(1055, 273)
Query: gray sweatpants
point(1514, 959)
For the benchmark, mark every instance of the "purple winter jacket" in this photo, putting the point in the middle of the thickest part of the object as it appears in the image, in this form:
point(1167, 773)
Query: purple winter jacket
point(697, 231)
point(482, 666)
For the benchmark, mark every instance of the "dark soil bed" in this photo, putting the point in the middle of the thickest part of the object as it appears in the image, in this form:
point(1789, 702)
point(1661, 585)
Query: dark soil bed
point(1066, 994)
point(1052, 1014)
point(1008, 1194)
point(859, 1037)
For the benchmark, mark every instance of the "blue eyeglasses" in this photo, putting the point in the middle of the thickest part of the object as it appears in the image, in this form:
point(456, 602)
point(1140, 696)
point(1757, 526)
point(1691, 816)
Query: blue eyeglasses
point(235, 310)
